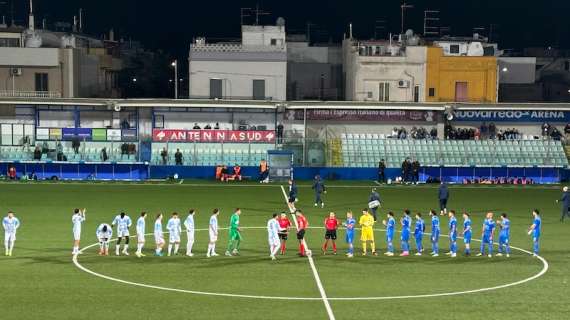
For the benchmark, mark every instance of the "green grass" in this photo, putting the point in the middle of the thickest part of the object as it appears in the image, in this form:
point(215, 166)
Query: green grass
point(41, 282)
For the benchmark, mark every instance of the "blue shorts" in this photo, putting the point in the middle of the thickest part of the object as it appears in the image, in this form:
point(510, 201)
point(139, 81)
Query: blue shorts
point(435, 236)
point(467, 238)
point(389, 237)
point(536, 237)
point(453, 237)
point(405, 235)
point(418, 236)
point(349, 237)
point(486, 238)
point(503, 238)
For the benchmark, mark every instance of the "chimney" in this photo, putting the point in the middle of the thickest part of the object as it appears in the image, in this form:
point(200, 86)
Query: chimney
point(31, 20)
point(111, 35)
point(74, 24)
point(81, 20)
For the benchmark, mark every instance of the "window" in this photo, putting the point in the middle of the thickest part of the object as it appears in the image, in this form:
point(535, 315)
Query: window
point(461, 92)
point(454, 48)
point(431, 92)
point(417, 94)
point(258, 89)
point(42, 82)
point(384, 91)
point(9, 42)
point(273, 42)
point(216, 89)
point(567, 65)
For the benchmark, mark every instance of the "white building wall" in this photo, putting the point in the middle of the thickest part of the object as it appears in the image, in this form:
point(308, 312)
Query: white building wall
point(238, 78)
point(262, 35)
point(364, 74)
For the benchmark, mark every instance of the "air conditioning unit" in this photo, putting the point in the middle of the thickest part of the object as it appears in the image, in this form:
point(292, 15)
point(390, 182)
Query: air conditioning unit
point(15, 72)
point(403, 84)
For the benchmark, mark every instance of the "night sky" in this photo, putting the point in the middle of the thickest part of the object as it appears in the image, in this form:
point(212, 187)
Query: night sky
point(170, 25)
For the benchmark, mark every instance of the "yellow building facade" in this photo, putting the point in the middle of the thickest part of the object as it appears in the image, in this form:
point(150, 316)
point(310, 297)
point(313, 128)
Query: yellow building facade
point(460, 78)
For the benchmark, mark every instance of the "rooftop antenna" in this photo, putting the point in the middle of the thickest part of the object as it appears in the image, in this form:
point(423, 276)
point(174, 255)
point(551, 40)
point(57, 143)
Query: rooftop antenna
point(31, 22)
point(309, 25)
point(404, 7)
point(350, 31)
point(259, 12)
point(379, 28)
point(431, 23)
point(244, 13)
point(80, 20)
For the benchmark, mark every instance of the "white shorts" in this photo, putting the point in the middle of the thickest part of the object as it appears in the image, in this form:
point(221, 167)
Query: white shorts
point(76, 235)
point(174, 237)
point(190, 235)
point(103, 239)
point(123, 233)
point(158, 239)
point(274, 242)
point(213, 237)
point(140, 237)
point(10, 236)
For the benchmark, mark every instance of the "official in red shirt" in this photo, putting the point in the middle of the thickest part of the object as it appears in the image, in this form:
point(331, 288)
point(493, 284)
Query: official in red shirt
point(284, 225)
point(331, 225)
point(302, 224)
point(237, 172)
point(12, 173)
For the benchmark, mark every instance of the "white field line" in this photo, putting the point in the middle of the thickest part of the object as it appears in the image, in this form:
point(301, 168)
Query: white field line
point(313, 268)
point(245, 296)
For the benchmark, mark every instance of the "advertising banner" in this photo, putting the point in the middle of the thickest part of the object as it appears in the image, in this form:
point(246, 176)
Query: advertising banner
point(512, 116)
point(55, 134)
point(362, 115)
point(114, 134)
point(99, 134)
point(229, 136)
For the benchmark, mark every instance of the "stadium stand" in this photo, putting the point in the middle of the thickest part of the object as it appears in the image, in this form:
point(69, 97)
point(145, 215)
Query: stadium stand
point(211, 154)
point(365, 150)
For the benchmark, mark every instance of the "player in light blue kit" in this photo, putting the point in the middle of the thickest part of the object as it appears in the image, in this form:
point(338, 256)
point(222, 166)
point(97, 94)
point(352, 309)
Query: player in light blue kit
point(158, 235)
point(452, 234)
point(10, 224)
point(390, 230)
point(174, 227)
point(534, 230)
point(349, 225)
point(104, 234)
point(419, 233)
point(123, 223)
point(487, 235)
point(504, 235)
point(435, 230)
point(141, 226)
point(406, 222)
point(467, 233)
point(77, 219)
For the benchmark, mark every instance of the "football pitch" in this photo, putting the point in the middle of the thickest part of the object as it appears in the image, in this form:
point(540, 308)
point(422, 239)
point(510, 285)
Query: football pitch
point(41, 280)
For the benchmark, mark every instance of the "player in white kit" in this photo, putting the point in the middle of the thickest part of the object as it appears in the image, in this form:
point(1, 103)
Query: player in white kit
point(141, 226)
point(104, 234)
point(273, 236)
point(174, 227)
point(213, 231)
point(11, 225)
point(77, 219)
point(189, 225)
point(158, 236)
point(123, 223)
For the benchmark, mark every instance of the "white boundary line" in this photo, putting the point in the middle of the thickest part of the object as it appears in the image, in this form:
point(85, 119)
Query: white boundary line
point(230, 295)
point(313, 267)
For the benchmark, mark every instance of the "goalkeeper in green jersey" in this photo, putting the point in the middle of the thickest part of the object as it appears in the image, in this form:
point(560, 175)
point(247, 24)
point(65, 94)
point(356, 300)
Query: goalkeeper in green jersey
point(235, 234)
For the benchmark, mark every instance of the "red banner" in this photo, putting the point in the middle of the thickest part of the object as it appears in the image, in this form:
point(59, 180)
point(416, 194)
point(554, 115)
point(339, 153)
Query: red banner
point(229, 136)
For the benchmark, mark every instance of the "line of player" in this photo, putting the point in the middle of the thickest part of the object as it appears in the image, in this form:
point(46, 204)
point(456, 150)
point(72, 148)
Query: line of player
point(174, 226)
point(278, 229)
point(366, 222)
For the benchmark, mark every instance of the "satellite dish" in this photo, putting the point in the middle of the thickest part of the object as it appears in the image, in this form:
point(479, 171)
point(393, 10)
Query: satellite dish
point(280, 22)
point(117, 108)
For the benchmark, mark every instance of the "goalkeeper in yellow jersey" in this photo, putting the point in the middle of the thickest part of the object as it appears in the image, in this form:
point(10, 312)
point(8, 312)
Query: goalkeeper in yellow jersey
point(366, 223)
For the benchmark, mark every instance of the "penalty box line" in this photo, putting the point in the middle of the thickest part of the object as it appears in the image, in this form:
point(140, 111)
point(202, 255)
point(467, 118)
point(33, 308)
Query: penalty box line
point(313, 267)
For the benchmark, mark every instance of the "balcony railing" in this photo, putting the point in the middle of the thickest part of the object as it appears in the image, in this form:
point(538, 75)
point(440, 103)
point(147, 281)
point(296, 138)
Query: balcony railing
point(30, 94)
